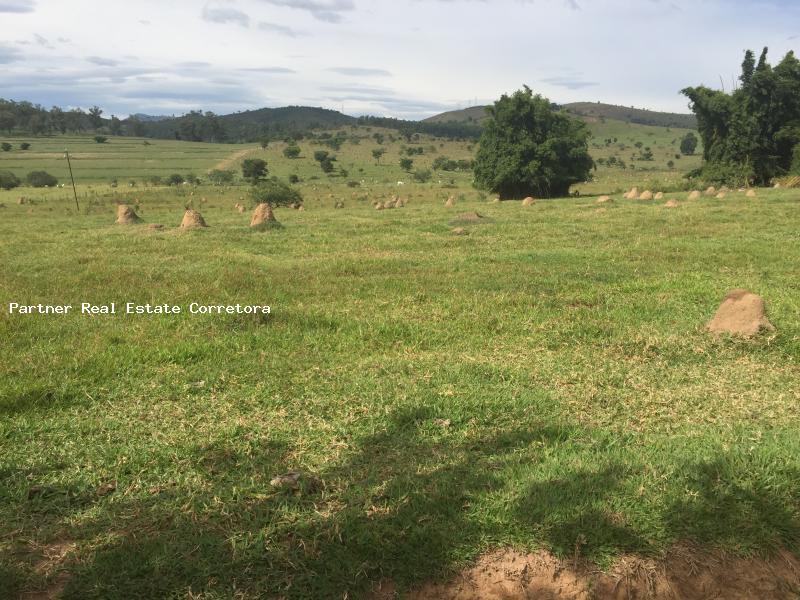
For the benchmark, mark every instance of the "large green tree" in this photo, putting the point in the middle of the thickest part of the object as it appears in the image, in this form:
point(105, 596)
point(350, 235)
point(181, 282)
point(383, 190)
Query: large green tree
point(530, 149)
point(751, 134)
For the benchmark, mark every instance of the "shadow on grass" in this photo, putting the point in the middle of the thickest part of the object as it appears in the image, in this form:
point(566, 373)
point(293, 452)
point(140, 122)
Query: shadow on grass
point(405, 504)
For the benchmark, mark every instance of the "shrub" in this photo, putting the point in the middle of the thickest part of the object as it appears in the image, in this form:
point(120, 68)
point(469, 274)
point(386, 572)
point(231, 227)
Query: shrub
point(220, 177)
point(40, 179)
point(175, 179)
point(6, 146)
point(422, 175)
point(291, 151)
point(254, 169)
point(275, 193)
point(24, 146)
point(293, 178)
point(100, 139)
point(8, 180)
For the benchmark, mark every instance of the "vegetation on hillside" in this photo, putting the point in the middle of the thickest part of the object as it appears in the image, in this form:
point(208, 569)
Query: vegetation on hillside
point(751, 135)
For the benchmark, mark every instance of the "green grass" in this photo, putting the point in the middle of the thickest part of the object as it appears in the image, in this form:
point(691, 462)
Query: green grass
point(544, 381)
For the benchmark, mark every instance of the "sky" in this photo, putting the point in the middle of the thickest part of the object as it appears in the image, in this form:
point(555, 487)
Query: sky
point(400, 58)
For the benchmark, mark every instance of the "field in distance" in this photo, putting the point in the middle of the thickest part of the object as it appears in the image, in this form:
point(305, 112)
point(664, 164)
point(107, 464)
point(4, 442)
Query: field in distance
point(135, 159)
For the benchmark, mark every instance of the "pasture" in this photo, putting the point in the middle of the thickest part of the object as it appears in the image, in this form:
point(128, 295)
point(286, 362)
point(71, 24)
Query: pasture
point(542, 382)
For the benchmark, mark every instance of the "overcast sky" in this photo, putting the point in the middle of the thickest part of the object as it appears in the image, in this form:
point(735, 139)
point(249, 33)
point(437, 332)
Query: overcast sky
point(402, 58)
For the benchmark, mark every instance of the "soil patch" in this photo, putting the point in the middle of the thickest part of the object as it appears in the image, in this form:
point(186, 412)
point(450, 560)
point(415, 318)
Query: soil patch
point(741, 313)
point(684, 574)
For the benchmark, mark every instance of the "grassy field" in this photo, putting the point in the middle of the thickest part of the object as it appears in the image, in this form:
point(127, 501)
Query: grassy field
point(543, 382)
point(137, 160)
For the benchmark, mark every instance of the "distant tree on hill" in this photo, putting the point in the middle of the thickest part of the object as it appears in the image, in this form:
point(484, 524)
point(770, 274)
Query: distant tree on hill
point(320, 155)
point(7, 121)
point(752, 134)
point(377, 154)
point(529, 149)
point(95, 117)
point(406, 164)
point(378, 137)
point(40, 179)
point(291, 151)
point(115, 126)
point(220, 177)
point(689, 144)
point(254, 170)
point(8, 180)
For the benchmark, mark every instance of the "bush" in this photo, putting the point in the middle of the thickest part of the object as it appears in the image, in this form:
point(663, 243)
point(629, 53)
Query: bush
point(6, 146)
point(291, 151)
point(100, 139)
point(220, 177)
point(175, 179)
point(24, 146)
point(293, 178)
point(275, 193)
point(422, 175)
point(8, 180)
point(254, 169)
point(156, 180)
point(40, 179)
point(192, 178)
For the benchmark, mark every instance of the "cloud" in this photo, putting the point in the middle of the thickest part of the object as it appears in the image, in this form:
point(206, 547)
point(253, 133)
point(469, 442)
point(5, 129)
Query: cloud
point(42, 41)
point(272, 70)
point(571, 83)
point(329, 11)
point(103, 62)
point(8, 54)
point(225, 15)
point(279, 29)
point(361, 72)
point(17, 6)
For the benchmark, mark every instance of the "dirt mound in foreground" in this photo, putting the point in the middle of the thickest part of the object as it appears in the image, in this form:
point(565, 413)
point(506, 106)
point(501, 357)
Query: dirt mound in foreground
point(262, 215)
point(126, 215)
point(192, 220)
point(684, 574)
point(741, 313)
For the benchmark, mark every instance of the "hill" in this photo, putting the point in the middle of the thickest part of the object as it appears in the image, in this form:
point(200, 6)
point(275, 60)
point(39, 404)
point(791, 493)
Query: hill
point(589, 111)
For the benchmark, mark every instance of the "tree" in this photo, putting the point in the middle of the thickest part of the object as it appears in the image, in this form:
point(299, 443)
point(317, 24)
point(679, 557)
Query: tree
point(377, 153)
point(40, 179)
point(327, 165)
point(175, 179)
point(378, 138)
point(100, 139)
point(94, 117)
point(254, 170)
point(689, 144)
point(291, 151)
point(115, 126)
point(750, 135)
point(220, 177)
point(8, 180)
point(406, 164)
point(134, 127)
point(7, 120)
point(529, 149)
point(6, 146)
point(320, 155)
point(24, 146)
point(275, 193)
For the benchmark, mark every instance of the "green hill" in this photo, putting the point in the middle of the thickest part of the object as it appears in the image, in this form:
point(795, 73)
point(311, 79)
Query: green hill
point(590, 111)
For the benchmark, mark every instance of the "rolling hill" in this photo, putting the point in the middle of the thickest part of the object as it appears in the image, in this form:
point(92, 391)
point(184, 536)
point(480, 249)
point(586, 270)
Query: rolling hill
point(589, 111)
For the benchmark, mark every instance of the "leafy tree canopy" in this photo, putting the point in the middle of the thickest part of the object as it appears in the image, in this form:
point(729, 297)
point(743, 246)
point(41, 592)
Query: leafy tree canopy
point(751, 135)
point(528, 148)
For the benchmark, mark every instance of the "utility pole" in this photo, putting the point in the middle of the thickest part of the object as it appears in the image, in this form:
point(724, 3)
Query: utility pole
point(74, 191)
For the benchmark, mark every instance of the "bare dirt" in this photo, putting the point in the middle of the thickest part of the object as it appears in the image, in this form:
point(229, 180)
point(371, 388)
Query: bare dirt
point(741, 313)
point(126, 215)
point(686, 573)
point(192, 220)
point(262, 215)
